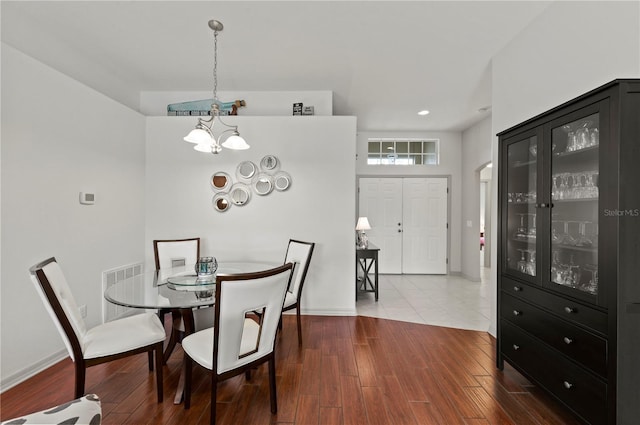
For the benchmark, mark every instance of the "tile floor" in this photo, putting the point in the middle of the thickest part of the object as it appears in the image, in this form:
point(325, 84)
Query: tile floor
point(440, 300)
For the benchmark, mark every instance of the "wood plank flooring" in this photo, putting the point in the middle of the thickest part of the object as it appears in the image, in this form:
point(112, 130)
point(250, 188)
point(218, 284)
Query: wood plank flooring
point(349, 371)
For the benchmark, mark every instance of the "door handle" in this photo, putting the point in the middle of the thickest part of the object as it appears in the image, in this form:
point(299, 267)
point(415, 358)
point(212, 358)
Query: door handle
point(399, 224)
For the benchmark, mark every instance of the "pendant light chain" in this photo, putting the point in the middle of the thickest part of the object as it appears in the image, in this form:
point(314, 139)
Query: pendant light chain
point(215, 67)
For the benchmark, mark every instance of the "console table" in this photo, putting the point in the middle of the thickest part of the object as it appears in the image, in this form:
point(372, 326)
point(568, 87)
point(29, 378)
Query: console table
point(366, 258)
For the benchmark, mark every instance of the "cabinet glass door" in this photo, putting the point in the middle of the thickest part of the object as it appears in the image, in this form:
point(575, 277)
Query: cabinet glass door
point(521, 220)
point(574, 216)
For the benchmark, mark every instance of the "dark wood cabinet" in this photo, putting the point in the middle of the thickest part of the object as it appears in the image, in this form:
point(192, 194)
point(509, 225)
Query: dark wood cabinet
point(569, 252)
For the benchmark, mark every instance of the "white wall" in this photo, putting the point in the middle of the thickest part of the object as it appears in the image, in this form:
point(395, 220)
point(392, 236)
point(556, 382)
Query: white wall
point(59, 138)
point(318, 153)
point(476, 152)
point(450, 165)
point(570, 49)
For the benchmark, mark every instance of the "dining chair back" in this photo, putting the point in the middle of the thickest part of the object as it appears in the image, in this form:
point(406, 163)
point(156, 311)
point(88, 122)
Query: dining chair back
point(240, 339)
point(103, 343)
point(298, 252)
point(174, 252)
point(170, 253)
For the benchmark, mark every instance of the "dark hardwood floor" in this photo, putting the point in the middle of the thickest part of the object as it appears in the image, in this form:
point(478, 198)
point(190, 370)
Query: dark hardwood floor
point(350, 370)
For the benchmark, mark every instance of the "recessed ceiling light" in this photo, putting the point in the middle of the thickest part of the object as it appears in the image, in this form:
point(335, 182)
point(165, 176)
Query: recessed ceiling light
point(425, 112)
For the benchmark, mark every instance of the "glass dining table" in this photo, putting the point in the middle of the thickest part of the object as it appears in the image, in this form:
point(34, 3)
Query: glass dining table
point(176, 289)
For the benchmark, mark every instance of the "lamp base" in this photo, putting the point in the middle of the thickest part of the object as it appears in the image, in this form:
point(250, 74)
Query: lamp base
point(362, 240)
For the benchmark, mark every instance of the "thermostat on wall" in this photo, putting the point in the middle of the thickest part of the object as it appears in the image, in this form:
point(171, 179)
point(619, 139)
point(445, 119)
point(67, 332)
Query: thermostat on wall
point(87, 198)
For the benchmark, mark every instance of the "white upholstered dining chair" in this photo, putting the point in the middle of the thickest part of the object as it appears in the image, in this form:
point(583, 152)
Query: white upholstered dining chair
point(240, 340)
point(298, 252)
point(106, 342)
point(170, 253)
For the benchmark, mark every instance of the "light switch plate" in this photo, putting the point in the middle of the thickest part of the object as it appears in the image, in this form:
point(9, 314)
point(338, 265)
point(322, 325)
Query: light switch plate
point(87, 198)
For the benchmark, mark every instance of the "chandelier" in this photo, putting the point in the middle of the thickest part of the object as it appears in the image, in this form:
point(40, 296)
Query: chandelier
point(203, 135)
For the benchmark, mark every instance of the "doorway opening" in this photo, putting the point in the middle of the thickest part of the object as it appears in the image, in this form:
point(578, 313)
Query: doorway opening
point(485, 218)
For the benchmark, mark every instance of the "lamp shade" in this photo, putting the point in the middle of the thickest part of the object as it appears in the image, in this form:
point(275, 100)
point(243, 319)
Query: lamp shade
point(203, 147)
point(363, 224)
point(236, 142)
point(199, 137)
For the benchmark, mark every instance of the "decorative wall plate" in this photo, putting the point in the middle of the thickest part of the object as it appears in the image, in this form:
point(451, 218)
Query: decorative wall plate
point(269, 163)
point(221, 181)
point(263, 184)
point(240, 194)
point(246, 171)
point(221, 201)
point(281, 181)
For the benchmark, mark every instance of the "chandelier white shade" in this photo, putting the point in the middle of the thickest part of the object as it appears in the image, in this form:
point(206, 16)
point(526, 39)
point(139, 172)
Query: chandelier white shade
point(203, 135)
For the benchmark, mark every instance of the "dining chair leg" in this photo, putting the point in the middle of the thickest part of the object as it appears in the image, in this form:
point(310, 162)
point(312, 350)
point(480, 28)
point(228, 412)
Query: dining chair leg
point(214, 397)
point(80, 376)
point(280, 323)
point(299, 325)
point(159, 361)
point(150, 357)
point(187, 364)
point(272, 384)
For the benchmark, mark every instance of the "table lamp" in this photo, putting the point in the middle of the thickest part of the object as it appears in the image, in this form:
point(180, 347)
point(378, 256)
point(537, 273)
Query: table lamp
point(361, 226)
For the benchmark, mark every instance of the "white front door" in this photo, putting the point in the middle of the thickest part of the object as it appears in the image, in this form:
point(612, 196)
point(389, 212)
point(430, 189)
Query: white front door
point(381, 203)
point(408, 218)
point(424, 248)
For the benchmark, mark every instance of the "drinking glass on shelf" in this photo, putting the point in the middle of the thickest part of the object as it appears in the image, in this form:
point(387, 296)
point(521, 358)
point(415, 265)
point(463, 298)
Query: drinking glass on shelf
point(591, 184)
point(522, 263)
point(594, 137)
point(565, 237)
point(521, 233)
point(531, 233)
point(591, 285)
point(583, 240)
point(531, 264)
point(572, 143)
point(582, 136)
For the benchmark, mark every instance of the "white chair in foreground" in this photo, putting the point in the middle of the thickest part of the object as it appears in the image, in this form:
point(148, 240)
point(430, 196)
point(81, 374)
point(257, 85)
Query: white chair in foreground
point(240, 340)
point(298, 252)
point(83, 410)
point(142, 333)
point(170, 253)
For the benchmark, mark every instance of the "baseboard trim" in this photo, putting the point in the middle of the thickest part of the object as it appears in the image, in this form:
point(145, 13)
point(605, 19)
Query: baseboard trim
point(26, 373)
point(472, 279)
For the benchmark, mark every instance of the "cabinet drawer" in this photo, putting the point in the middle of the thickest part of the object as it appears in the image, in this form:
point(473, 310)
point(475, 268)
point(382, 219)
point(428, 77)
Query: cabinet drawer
point(582, 346)
point(567, 309)
point(582, 392)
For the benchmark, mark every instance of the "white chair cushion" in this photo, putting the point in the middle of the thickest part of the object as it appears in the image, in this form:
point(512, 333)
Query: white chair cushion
point(84, 410)
point(290, 299)
point(199, 345)
point(122, 335)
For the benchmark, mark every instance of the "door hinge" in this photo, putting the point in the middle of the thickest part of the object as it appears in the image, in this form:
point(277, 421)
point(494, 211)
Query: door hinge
point(447, 225)
point(447, 190)
point(447, 262)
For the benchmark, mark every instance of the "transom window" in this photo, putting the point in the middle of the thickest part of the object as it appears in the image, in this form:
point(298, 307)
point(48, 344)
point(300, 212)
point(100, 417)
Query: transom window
point(403, 152)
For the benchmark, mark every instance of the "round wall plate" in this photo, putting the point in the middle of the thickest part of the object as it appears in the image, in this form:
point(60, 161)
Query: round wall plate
point(263, 184)
point(269, 163)
point(221, 181)
point(246, 171)
point(281, 181)
point(221, 201)
point(240, 194)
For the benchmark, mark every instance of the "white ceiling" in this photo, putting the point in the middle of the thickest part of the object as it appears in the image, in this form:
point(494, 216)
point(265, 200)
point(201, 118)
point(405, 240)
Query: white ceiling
point(383, 60)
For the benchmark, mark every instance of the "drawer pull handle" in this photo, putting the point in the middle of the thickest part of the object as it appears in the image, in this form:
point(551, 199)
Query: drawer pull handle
point(568, 385)
point(516, 347)
point(517, 313)
point(567, 340)
point(517, 288)
point(569, 310)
